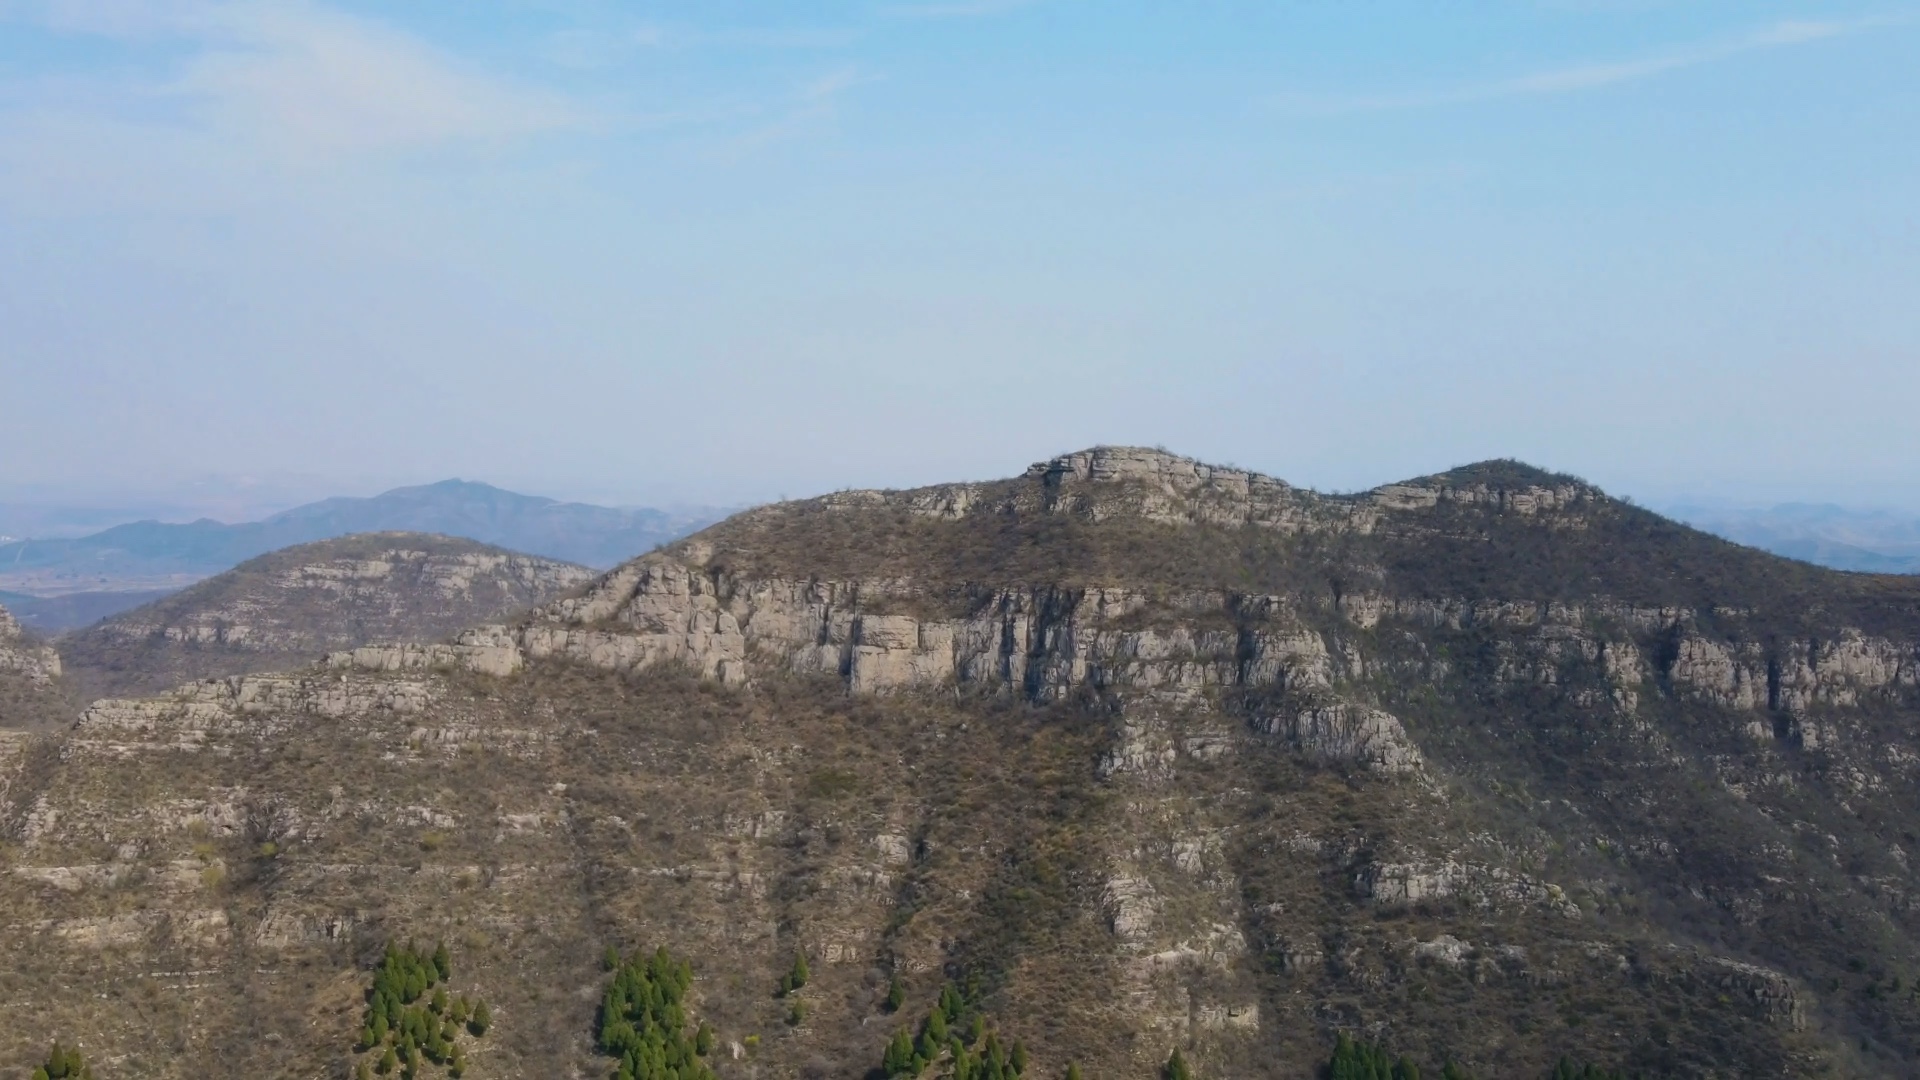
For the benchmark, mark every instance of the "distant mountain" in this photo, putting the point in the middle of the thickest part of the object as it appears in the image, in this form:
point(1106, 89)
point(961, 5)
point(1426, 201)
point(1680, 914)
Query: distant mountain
point(1874, 541)
point(597, 536)
point(152, 555)
point(293, 606)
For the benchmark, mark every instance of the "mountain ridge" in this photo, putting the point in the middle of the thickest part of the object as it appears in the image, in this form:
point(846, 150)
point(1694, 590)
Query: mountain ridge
point(296, 604)
point(1144, 754)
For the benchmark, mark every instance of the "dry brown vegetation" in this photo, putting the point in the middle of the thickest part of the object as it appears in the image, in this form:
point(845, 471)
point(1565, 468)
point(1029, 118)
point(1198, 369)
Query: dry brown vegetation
point(1114, 875)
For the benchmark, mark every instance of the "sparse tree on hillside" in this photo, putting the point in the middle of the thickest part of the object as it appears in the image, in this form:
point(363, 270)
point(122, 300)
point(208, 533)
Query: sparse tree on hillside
point(796, 976)
point(481, 1020)
point(899, 1055)
point(1177, 1067)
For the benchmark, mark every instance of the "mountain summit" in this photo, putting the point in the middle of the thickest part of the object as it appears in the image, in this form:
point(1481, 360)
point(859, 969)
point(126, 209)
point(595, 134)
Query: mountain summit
point(1124, 757)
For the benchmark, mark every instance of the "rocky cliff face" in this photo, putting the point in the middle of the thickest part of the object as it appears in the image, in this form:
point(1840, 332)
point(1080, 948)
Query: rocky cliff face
point(32, 693)
point(297, 605)
point(35, 663)
point(1485, 766)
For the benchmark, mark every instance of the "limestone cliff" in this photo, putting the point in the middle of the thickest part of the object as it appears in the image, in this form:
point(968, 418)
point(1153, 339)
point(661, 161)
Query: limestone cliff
point(32, 693)
point(35, 663)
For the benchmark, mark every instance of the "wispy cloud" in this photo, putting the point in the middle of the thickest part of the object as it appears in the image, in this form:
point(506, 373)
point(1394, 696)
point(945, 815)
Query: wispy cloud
point(954, 9)
point(1580, 77)
point(591, 48)
point(814, 106)
point(304, 82)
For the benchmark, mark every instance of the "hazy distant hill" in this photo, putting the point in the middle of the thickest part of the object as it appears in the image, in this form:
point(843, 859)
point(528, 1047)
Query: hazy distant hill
point(1875, 541)
point(294, 606)
point(155, 555)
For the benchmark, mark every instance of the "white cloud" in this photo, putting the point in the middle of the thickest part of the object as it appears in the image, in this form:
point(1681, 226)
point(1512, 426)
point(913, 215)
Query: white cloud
point(302, 82)
point(1586, 76)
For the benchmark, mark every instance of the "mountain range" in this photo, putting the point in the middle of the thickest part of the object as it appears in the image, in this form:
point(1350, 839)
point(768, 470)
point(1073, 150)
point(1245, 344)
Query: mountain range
point(1871, 541)
point(71, 581)
point(1142, 766)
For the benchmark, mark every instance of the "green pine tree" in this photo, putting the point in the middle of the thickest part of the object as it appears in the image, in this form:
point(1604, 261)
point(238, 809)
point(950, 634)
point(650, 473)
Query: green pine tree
point(1018, 1057)
point(1177, 1067)
point(899, 1055)
point(481, 1020)
point(896, 994)
point(1073, 1071)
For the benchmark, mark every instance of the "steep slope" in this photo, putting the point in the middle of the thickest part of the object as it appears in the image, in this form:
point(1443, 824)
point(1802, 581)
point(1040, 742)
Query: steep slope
point(296, 605)
point(31, 694)
point(1145, 754)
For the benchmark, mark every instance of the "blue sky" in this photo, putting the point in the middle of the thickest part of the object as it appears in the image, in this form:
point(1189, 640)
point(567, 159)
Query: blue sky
point(726, 251)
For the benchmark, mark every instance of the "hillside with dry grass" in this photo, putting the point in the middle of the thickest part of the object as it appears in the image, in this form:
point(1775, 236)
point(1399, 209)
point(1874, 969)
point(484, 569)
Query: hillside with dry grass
point(1132, 754)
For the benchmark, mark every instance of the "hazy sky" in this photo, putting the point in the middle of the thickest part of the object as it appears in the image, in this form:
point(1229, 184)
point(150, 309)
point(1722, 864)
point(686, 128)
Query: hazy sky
point(727, 250)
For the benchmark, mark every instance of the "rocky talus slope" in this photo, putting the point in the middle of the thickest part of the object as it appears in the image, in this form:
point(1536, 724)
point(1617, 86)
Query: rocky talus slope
point(1485, 766)
point(296, 605)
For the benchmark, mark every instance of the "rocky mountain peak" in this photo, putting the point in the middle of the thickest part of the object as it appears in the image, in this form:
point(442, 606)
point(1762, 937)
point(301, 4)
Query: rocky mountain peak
point(1111, 464)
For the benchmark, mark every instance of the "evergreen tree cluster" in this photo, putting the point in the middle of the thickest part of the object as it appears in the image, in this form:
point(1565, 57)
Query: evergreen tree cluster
point(958, 1037)
point(1569, 1070)
point(1354, 1059)
point(409, 1030)
point(643, 1021)
point(796, 976)
point(63, 1063)
point(1357, 1060)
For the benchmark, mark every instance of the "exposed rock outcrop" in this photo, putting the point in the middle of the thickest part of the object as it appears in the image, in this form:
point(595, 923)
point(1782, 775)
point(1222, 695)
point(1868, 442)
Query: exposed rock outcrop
point(32, 661)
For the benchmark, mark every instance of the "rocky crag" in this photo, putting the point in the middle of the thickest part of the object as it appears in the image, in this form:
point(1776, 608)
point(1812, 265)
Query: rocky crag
point(32, 694)
point(1485, 766)
point(294, 606)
